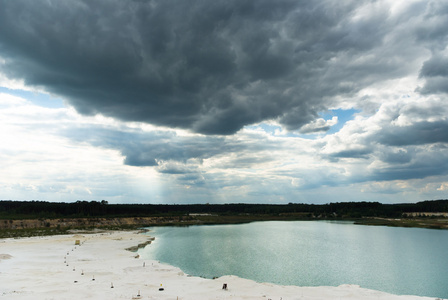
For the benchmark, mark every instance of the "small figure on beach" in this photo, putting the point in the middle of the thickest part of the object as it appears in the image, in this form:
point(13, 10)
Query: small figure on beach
point(224, 286)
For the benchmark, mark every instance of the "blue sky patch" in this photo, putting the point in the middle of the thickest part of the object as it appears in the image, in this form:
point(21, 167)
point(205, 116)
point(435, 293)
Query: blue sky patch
point(343, 115)
point(36, 98)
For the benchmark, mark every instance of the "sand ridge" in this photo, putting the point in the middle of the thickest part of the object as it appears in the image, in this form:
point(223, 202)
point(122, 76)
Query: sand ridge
point(53, 267)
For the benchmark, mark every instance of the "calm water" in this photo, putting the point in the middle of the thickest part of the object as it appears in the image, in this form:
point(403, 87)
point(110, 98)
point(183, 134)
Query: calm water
point(396, 260)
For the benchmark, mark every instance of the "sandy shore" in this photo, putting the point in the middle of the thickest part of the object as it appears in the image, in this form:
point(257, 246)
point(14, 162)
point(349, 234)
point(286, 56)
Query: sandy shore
point(54, 268)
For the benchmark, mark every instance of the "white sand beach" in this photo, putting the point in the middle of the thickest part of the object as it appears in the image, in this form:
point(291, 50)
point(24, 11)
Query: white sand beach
point(53, 267)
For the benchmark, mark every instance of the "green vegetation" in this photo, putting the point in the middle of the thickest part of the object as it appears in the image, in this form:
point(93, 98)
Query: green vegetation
point(16, 210)
point(26, 218)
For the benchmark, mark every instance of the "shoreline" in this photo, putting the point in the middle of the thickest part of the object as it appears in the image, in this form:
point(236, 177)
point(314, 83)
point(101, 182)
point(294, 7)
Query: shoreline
point(53, 267)
point(62, 226)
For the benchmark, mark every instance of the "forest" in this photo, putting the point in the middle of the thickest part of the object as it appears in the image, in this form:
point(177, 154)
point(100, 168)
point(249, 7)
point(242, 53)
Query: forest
point(10, 209)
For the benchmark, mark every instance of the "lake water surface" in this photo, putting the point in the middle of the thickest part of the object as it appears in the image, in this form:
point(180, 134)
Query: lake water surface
point(409, 261)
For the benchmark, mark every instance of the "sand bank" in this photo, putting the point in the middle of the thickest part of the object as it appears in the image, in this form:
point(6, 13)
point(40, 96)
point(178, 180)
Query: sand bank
point(100, 268)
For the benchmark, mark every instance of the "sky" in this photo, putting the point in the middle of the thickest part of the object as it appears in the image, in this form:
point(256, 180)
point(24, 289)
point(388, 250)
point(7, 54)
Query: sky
point(224, 101)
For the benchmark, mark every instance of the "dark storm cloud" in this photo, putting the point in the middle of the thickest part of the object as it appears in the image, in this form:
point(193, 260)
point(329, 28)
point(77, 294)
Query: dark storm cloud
point(393, 163)
point(175, 169)
point(399, 156)
point(166, 150)
point(435, 71)
point(207, 66)
point(422, 166)
point(352, 153)
point(418, 133)
point(432, 29)
point(433, 33)
point(436, 66)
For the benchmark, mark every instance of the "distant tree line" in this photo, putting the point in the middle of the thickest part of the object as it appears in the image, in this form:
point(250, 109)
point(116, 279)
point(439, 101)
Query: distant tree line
point(41, 209)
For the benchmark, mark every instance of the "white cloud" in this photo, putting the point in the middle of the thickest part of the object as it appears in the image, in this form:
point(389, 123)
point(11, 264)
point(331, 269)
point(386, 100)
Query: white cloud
point(37, 163)
point(319, 125)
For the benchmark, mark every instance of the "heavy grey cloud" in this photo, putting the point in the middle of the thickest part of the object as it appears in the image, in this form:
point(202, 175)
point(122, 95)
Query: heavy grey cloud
point(435, 72)
point(432, 162)
point(208, 66)
point(167, 150)
point(433, 33)
point(415, 134)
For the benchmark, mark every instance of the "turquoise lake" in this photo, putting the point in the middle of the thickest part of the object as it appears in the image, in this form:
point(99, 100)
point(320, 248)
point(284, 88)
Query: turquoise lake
point(408, 261)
